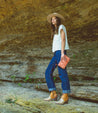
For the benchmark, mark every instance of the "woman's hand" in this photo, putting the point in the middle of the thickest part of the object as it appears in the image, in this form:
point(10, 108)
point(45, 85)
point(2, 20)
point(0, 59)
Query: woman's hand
point(62, 56)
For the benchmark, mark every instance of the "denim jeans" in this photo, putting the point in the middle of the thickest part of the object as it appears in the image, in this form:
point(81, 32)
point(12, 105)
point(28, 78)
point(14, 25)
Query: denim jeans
point(62, 73)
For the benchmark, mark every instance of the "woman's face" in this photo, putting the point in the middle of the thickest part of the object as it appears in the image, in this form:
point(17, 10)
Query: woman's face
point(54, 20)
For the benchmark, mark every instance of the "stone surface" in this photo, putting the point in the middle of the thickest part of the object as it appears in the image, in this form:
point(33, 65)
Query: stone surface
point(36, 61)
point(25, 51)
point(80, 90)
point(30, 100)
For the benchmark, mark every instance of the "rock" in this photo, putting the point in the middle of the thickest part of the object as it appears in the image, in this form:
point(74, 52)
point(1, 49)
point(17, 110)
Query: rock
point(31, 100)
point(25, 46)
point(87, 91)
point(15, 67)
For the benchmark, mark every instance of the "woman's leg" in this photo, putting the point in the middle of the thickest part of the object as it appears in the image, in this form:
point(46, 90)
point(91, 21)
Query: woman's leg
point(65, 80)
point(63, 76)
point(49, 74)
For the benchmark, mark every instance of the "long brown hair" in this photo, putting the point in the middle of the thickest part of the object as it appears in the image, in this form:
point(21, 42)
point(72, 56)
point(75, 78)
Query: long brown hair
point(54, 30)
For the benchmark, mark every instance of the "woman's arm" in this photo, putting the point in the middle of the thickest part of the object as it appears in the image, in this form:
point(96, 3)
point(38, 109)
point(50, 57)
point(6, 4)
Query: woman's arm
point(62, 42)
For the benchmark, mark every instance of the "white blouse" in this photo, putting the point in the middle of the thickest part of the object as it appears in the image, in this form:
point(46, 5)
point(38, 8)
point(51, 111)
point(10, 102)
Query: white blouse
point(56, 45)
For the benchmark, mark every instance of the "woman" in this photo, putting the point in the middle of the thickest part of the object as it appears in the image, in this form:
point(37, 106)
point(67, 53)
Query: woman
point(59, 48)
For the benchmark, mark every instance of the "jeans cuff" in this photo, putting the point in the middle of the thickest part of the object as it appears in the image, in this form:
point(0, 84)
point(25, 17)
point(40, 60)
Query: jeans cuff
point(51, 89)
point(66, 91)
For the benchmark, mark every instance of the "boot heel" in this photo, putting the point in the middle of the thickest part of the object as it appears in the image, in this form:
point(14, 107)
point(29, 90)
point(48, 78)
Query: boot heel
point(66, 102)
point(50, 99)
point(55, 99)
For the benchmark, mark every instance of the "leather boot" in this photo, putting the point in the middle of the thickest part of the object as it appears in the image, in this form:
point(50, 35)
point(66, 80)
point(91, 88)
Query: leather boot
point(63, 100)
point(52, 96)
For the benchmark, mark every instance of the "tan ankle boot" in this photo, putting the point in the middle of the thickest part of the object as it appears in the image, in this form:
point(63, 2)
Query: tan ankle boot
point(64, 99)
point(53, 94)
point(52, 97)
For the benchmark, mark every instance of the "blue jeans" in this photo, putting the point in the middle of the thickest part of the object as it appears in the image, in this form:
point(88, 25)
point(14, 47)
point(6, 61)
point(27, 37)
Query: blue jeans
point(62, 74)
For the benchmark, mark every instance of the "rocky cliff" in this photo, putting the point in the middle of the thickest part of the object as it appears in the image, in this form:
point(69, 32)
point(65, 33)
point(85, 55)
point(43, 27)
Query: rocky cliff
point(25, 43)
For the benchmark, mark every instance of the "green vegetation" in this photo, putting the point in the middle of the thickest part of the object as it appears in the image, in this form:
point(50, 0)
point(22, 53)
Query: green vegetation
point(10, 100)
point(13, 77)
point(27, 78)
point(54, 78)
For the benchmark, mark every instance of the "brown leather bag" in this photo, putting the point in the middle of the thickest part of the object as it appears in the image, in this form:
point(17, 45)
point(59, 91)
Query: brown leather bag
point(63, 62)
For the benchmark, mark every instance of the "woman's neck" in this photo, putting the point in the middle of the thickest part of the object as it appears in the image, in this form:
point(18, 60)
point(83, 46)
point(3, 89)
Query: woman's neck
point(55, 25)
